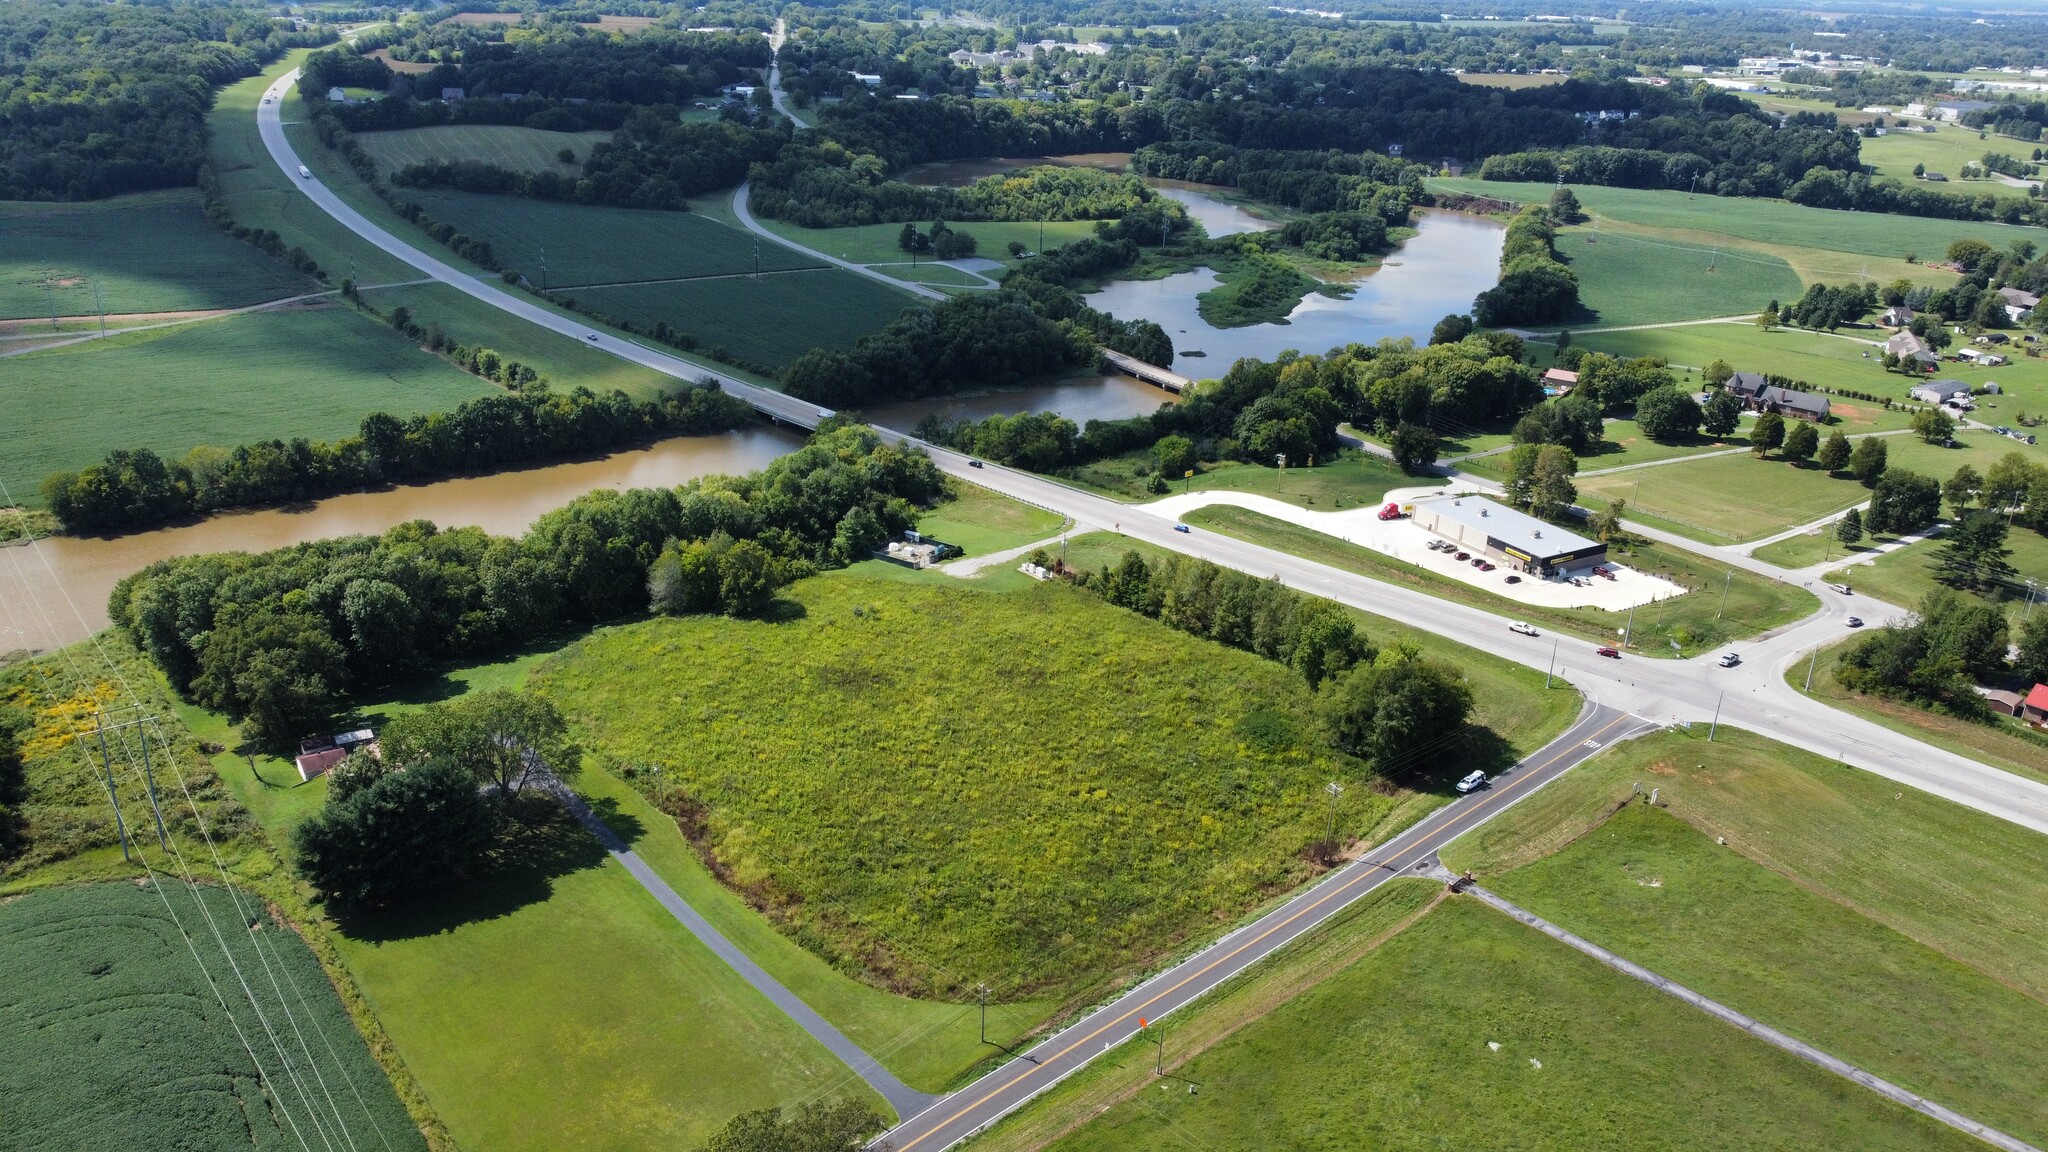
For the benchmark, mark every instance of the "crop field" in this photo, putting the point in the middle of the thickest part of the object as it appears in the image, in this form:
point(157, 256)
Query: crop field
point(1022, 750)
point(1725, 499)
point(876, 243)
point(111, 1038)
point(1698, 622)
point(592, 244)
point(564, 360)
point(1468, 1025)
point(1629, 278)
point(1970, 886)
point(505, 145)
point(300, 372)
point(769, 320)
point(148, 253)
point(1945, 150)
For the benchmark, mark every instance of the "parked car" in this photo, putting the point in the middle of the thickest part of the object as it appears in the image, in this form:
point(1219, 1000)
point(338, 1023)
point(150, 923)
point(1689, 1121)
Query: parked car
point(1730, 659)
point(1180, 528)
point(1473, 782)
point(1855, 621)
point(1513, 579)
point(1464, 555)
point(1523, 626)
point(1487, 566)
point(1610, 653)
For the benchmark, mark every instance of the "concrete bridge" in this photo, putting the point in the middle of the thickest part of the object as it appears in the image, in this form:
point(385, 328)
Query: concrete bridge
point(1150, 373)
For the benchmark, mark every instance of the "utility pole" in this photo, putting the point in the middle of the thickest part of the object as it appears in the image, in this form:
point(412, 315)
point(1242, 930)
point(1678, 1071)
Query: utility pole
point(1279, 462)
point(107, 764)
point(1814, 659)
point(163, 840)
point(757, 259)
point(981, 990)
point(1335, 790)
point(1628, 632)
point(1551, 668)
point(1715, 723)
point(543, 268)
point(1724, 594)
point(99, 302)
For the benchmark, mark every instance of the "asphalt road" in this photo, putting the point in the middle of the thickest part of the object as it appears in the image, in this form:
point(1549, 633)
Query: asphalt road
point(954, 1118)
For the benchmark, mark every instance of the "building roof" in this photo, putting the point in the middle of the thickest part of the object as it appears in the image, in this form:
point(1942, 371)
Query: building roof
point(1789, 398)
point(2022, 299)
point(2038, 698)
point(1560, 376)
point(1905, 344)
point(1513, 529)
point(1747, 383)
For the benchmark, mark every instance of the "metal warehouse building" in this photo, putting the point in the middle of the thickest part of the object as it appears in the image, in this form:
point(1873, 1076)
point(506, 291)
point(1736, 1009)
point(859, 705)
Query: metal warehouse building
point(1507, 537)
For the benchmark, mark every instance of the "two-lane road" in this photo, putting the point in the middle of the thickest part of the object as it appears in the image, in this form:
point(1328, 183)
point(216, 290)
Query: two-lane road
point(988, 1099)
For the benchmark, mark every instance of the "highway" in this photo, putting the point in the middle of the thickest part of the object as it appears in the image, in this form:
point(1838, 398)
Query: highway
point(1625, 696)
point(954, 1118)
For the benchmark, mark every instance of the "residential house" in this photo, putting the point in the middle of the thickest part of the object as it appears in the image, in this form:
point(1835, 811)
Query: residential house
point(450, 95)
point(2019, 305)
point(336, 96)
point(1912, 351)
point(1558, 382)
point(871, 79)
point(1896, 316)
point(1758, 396)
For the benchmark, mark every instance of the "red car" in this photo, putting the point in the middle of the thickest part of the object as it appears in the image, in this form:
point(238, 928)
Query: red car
point(1464, 555)
point(1610, 653)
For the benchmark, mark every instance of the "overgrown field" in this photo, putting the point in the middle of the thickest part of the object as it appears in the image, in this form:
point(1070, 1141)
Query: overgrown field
point(1627, 278)
point(1666, 896)
point(936, 786)
point(1970, 886)
point(112, 1035)
point(583, 244)
point(768, 320)
point(1722, 499)
point(299, 372)
point(1397, 1052)
point(148, 253)
point(1698, 621)
point(505, 145)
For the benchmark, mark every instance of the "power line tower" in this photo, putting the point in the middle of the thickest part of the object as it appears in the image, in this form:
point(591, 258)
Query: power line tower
point(118, 723)
point(48, 283)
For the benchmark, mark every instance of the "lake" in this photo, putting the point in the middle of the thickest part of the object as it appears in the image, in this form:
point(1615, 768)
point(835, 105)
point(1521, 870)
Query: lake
point(1450, 260)
point(55, 592)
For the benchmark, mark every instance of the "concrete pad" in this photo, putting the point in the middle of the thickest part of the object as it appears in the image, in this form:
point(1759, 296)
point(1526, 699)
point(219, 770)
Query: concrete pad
point(1403, 541)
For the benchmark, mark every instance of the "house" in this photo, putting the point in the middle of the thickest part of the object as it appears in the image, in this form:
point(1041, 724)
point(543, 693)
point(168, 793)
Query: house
point(1558, 382)
point(1934, 177)
point(1758, 396)
point(336, 96)
point(2019, 305)
point(1911, 351)
point(1941, 392)
point(871, 79)
point(1505, 536)
point(2034, 709)
point(450, 95)
point(1896, 316)
point(316, 756)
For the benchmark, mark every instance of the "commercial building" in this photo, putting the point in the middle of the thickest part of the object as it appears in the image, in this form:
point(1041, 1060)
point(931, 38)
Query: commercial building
point(1507, 537)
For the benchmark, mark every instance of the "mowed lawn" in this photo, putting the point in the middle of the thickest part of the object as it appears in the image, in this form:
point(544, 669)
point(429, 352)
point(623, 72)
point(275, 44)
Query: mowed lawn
point(584, 244)
point(312, 373)
point(980, 521)
point(767, 320)
point(154, 252)
point(1905, 576)
point(1663, 894)
point(1944, 150)
point(934, 785)
point(1468, 1026)
point(111, 1035)
point(1731, 498)
point(1627, 278)
point(504, 145)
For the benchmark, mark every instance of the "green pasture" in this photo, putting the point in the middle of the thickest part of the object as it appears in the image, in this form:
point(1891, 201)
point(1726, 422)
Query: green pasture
point(1905, 576)
point(1657, 891)
point(1968, 885)
point(1622, 445)
point(565, 361)
point(153, 252)
point(1945, 150)
point(1469, 1025)
point(301, 372)
point(2005, 743)
point(124, 1026)
point(770, 320)
point(979, 521)
point(504, 145)
point(1699, 620)
point(1630, 278)
point(876, 243)
point(1727, 499)
point(584, 244)
point(1817, 547)
point(1353, 478)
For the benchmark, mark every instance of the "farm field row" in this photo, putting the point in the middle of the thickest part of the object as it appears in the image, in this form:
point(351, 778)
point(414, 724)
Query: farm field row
point(504, 145)
point(313, 372)
point(768, 320)
point(1640, 278)
point(148, 253)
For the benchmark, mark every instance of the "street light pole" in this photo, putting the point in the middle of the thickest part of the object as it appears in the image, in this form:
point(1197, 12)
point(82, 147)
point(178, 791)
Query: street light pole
point(1280, 462)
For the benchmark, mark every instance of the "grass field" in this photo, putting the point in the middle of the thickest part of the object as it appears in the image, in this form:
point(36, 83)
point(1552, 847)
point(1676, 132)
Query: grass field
point(593, 244)
point(1906, 575)
point(110, 1036)
point(1970, 886)
point(1945, 150)
point(1353, 478)
point(1698, 621)
point(1629, 278)
point(310, 373)
point(1817, 547)
point(1725, 499)
point(1186, 792)
point(2005, 744)
point(980, 521)
point(504, 145)
point(1659, 892)
point(1395, 1053)
point(566, 362)
point(768, 320)
point(876, 243)
point(154, 252)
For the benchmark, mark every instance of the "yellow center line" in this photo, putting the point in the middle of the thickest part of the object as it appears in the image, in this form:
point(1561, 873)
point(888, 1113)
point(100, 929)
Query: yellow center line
point(1449, 820)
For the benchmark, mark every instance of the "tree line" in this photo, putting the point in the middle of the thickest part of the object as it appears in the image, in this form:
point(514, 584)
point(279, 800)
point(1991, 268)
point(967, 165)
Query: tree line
point(1535, 287)
point(134, 488)
point(826, 186)
point(277, 640)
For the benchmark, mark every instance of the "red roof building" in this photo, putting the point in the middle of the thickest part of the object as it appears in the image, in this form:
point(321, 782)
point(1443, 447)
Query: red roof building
point(2035, 710)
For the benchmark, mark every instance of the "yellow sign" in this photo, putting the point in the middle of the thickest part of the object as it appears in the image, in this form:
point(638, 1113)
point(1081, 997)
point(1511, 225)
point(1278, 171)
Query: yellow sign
point(1190, 472)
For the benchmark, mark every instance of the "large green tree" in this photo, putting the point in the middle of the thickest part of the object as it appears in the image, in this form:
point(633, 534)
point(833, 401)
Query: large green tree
point(408, 832)
point(1767, 433)
point(1396, 709)
point(1668, 415)
point(1973, 552)
point(818, 1126)
point(494, 735)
